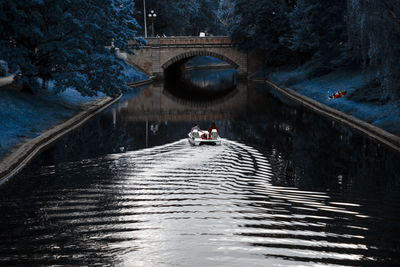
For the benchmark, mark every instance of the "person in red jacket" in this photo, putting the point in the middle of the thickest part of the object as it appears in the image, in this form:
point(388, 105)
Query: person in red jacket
point(212, 126)
point(338, 94)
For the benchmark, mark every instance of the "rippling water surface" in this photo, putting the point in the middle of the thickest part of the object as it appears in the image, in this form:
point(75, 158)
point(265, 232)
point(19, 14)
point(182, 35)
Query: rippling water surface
point(275, 193)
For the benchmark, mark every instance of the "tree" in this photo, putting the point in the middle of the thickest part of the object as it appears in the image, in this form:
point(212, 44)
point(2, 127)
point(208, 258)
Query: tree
point(330, 33)
point(183, 17)
point(374, 37)
point(225, 13)
point(67, 41)
point(318, 27)
point(262, 24)
point(206, 19)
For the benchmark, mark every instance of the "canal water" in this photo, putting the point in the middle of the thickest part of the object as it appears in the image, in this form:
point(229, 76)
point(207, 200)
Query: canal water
point(287, 187)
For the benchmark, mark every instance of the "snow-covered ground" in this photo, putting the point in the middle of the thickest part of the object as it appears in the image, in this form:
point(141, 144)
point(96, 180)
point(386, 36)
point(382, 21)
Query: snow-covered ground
point(6, 80)
point(385, 116)
point(25, 116)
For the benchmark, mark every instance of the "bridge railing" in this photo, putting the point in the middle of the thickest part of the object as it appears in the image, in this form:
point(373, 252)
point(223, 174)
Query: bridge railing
point(188, 40)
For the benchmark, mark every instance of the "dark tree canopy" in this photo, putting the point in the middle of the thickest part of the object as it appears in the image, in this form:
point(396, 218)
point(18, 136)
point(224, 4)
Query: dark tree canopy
point(318, 27)
point(329, 33)
point(68, 41)
point(374, 38)
point(182, 17)
point(262, 24)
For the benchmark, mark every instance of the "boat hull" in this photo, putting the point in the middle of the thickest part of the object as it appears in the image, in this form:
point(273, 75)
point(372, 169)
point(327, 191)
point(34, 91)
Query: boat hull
point(201, 141)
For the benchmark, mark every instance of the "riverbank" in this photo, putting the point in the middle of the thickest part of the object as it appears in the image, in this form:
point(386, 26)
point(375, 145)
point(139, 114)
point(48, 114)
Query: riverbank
point(21, 154)
point(31, 122)
point(380, 121)
point(374, 132)
point(385, 115)
point(364, 106)
point(24, 116)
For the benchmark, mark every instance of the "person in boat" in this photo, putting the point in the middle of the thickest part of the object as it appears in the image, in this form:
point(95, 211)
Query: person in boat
point(212, 127)
point(196, 127)
point(202, 134)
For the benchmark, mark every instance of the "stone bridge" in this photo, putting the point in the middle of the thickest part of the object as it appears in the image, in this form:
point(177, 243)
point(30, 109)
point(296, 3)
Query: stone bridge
point(160, 53)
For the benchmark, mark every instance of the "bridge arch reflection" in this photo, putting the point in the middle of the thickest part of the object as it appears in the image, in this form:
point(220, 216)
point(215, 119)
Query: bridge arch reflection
point(154, 103)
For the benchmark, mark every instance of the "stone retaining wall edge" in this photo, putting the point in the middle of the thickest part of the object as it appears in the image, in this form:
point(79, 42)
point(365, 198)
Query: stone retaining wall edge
point(18, 158)
point(374, 132)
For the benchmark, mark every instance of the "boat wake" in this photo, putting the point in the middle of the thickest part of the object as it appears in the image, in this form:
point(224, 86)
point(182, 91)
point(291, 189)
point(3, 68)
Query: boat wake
point(181, 204)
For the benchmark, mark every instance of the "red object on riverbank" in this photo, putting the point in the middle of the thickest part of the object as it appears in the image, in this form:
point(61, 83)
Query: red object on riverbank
point(338, 94)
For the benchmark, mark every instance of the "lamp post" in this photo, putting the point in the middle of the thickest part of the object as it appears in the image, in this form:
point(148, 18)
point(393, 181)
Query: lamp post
point(144, 16)
point(152, 16)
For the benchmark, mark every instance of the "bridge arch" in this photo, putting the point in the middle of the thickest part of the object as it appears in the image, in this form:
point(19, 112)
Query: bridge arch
point(160, 53)
point(190, 54)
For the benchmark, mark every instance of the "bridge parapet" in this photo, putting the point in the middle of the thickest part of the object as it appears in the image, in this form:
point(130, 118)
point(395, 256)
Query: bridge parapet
point(160, 53)
point(189, 40)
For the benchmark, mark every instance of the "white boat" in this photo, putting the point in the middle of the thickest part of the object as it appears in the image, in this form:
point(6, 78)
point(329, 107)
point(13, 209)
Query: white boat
point(200, 137)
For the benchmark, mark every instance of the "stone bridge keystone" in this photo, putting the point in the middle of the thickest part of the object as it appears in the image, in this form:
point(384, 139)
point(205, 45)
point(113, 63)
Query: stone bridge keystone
point(160, 53)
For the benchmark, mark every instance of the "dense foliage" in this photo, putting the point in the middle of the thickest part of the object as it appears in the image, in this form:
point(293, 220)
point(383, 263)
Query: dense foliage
point(326, 33)
point(374, 38)
point(318, 27)
point(68, 41)
point(181, 17)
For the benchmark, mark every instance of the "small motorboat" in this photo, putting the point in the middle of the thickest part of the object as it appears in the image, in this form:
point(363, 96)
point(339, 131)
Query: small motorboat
point(201, 137)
